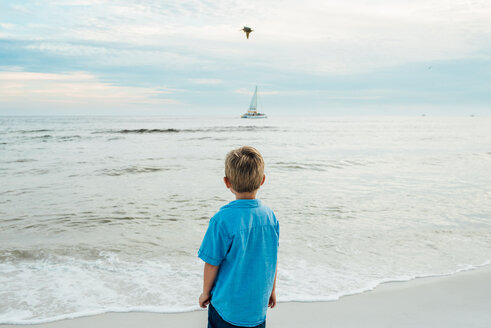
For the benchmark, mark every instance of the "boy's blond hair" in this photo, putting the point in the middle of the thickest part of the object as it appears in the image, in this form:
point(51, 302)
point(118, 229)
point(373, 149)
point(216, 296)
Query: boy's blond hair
point(244, 167)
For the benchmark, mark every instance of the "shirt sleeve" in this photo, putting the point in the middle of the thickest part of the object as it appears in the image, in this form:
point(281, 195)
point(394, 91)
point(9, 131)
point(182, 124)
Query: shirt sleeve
point(215, 245)
point(277, 228)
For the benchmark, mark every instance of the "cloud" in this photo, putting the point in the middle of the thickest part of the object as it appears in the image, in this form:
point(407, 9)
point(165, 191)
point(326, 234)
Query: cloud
point(77, 89)
point(118, 55)
point(251, 92)
point(6, 26)
point(312, 36)
point(206, 81)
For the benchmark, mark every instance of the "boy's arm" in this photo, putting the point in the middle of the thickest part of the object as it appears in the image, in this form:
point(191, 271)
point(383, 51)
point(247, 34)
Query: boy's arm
point(272, 298)
point(209, 275)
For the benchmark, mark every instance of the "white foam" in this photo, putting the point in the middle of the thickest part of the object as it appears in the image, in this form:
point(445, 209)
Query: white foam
point(371, 285)
point(64, 287)
point(48, 290)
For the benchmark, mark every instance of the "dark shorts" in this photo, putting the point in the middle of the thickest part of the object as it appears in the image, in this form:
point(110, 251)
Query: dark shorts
point(216, 321)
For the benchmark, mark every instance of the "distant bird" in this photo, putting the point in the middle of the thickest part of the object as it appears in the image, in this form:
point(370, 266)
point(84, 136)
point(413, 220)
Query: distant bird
point(247, 31)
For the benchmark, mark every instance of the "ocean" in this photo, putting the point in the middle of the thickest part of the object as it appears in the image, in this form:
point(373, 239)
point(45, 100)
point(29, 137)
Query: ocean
point(102, 214)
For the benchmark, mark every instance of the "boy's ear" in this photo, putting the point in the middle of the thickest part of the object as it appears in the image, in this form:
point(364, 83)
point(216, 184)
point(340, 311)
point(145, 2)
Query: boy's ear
point(264, 178)
point(227, 182)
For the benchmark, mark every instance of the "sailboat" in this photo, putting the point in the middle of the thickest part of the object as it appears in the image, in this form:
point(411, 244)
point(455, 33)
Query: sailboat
point(252, 112)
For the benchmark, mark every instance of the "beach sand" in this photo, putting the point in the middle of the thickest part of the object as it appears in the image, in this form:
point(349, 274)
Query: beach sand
point(460, 300)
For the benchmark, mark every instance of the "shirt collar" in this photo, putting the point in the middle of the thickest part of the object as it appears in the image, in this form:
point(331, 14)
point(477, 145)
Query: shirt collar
point(244, 203)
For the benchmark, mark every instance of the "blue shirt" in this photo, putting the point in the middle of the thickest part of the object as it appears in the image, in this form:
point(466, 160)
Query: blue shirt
point(242, 238)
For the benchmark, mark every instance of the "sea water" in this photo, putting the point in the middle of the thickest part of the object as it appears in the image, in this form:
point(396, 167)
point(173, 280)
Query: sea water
point(105, 214)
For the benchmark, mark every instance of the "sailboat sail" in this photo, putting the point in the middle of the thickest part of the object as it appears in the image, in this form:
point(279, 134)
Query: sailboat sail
point(253, 106)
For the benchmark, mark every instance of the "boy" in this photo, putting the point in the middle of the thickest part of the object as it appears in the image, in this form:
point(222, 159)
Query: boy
point(240, 249)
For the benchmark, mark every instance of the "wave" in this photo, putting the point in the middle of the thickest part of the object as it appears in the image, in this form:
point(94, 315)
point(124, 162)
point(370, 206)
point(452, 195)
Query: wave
point(17, 255)
point(88, 313)
point(69, 138)
point(33, 131)
point(148, 131)
point(46, 137)
point(112, 267)
point(173, 130)
point(21, 160)
point(43, 137)
point(375, 283)
point(320, 166)
point(33, 171)
point(131, 170)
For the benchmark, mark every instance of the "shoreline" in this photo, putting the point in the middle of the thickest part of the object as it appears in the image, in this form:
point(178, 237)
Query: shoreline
point(462, 299)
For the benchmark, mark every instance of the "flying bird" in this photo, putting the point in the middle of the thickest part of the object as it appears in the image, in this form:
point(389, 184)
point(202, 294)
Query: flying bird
point(247, 31)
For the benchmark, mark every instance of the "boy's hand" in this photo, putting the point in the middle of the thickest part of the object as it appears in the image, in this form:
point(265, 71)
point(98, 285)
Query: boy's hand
point(272, 300)
point(204, 300)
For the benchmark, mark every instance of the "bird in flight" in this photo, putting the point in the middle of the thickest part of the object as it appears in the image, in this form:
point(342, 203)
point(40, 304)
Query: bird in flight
point(247, 31)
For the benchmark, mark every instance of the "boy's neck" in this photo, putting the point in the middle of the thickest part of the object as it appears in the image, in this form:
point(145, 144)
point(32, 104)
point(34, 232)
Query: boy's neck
point(245, 195)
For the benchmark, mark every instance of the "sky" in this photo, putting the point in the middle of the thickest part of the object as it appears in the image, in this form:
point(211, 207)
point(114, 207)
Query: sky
point(309, 57)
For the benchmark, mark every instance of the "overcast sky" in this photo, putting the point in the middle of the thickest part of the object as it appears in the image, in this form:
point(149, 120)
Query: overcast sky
point(316, 57)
